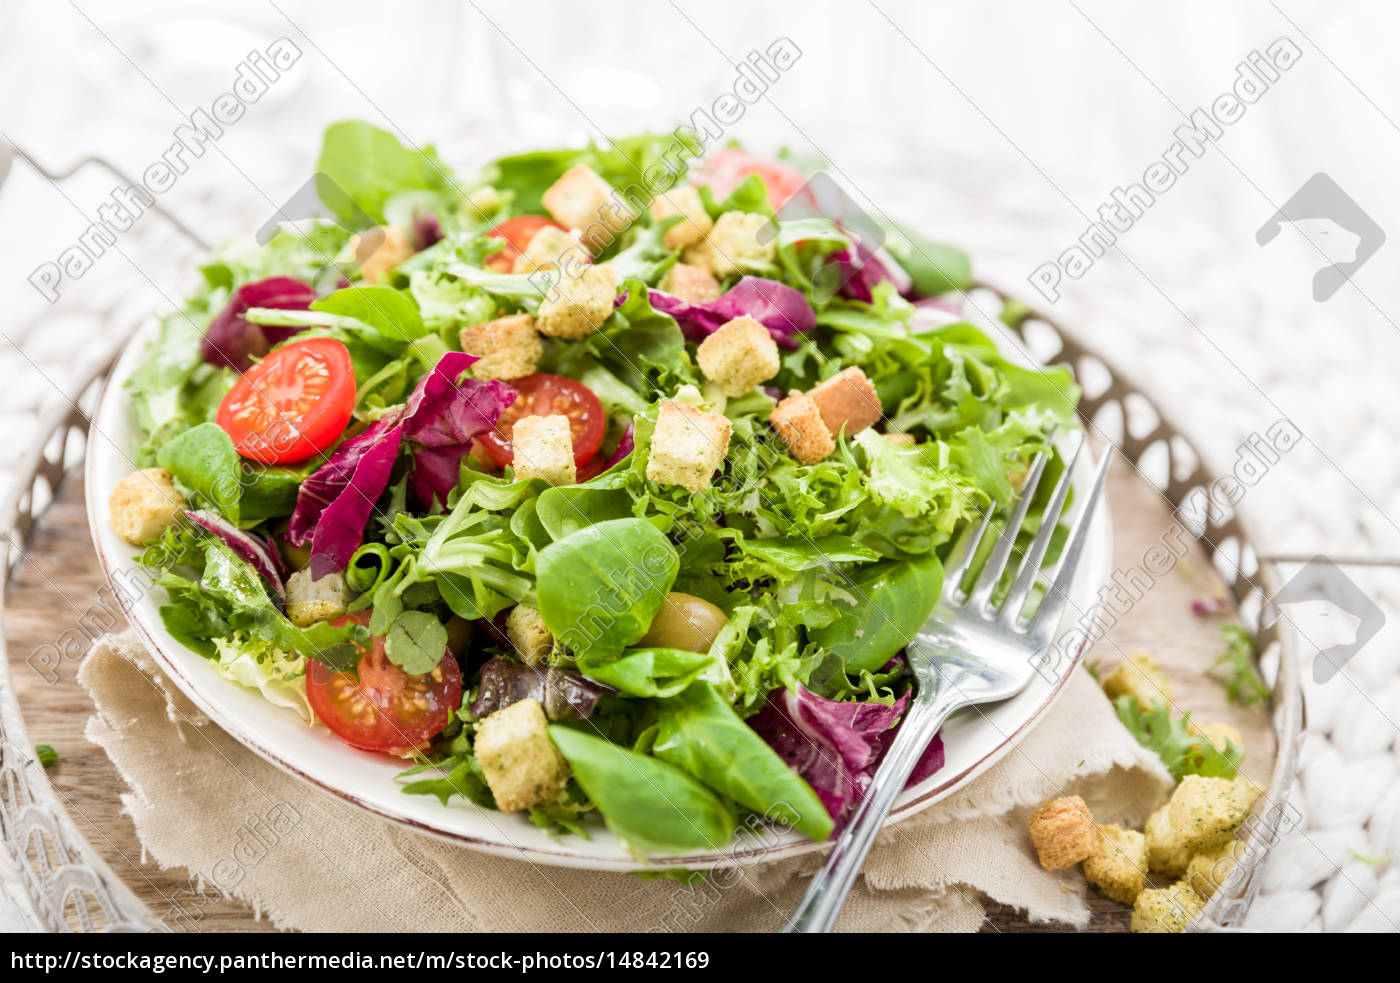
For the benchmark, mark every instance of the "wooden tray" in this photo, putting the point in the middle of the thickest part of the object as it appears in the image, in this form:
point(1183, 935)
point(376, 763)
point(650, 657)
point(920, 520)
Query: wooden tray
point(76, 854)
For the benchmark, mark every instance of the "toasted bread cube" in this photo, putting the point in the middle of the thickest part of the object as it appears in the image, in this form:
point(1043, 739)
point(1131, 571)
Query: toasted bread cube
point(509, 347)
point(735, 245)
point(1140, 677)
point(522, 766)
point(144, 504)
point(528, 633)
point(1168, 909)
point(379, 251)
point(1205, 812)
point(798, 422)
point(688, 446)
point(578, 305)
point(692, 284)
point(900, 439)
point(695, 223)
point(551, 248)
point(544, 448)
point(1208, 869)
point(310, 601)
point(739, 356)
point(1118, 865)
point(582, 200)
point(847, 400)
point(1063, 832)
point(1167, 850)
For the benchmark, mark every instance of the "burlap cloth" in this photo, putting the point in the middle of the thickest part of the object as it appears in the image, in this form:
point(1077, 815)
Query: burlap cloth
point(337, 869)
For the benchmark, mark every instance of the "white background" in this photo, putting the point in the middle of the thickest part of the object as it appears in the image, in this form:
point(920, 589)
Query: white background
point(998, 126)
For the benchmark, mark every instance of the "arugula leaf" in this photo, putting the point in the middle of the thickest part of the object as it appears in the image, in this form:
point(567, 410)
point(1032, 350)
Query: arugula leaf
point(1183, 752)
point(1243, 684)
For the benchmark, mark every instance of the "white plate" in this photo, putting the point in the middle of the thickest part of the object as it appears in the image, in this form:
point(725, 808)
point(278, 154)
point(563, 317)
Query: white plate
point(973, 741)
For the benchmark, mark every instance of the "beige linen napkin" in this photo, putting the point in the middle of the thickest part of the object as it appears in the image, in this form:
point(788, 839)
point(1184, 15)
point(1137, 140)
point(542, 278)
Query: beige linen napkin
point(313, 863)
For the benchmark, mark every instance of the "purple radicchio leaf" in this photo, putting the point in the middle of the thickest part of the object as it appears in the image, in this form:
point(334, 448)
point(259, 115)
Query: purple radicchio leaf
point(863, 269)
point(443, 417)
point(256, 551)
point(427, 230)
point(836, 746)
point(781, 309)
point(564, 694)
point(335, 502)
point(625, 446)
point(234, 341)
point(438, 423)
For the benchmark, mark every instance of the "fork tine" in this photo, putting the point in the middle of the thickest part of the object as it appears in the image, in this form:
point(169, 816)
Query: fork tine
point(982, 593)
point(1030, 562)
point(1048, 614)
point(962, 556)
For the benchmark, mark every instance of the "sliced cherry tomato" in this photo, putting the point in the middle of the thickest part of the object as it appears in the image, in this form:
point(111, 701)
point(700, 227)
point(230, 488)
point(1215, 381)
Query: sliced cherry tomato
point(596, 465)
point(292, 404)
point(379, 707)
point(543, 394)
point(726, 169)
point(517, 232)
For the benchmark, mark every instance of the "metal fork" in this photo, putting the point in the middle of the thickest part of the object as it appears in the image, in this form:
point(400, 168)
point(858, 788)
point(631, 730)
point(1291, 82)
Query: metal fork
point(972, 651)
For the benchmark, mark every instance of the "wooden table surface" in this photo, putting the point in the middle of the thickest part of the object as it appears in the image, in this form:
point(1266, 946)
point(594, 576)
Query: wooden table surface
point(51, 592)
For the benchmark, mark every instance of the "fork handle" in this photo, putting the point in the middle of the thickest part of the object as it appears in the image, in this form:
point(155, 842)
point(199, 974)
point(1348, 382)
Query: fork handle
point(827, 892)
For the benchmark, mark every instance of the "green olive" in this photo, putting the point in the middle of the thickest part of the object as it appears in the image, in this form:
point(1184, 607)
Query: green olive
point(685, 622)
point(297, 557)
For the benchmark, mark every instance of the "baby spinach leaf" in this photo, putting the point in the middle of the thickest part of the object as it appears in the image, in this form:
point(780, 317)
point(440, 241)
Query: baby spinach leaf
point(600, 587)
point(362, 166)
point(392, 313)
point(646, 672)
point(651, 806)
point(701, 734)
point(416, 642)
point(893, 600)
point(204, 463)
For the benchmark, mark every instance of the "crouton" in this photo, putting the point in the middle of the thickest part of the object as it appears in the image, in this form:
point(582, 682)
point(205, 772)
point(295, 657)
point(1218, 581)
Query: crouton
point(847, 400)
point(688, 446)
point(1168, 909)
point(735, 245)
point(1208, 869)
point(544, 448)
point(522, 766)
point(900, 439)
point(1140, 677)
point(144, 504)
point(739, 356)
point(379, 251)
point(1063, 832)
point(1167, 850)
point(1205, 812)
point(528, 633)
point(692, 284)
point(509, 347)
point(578, 305)
point(581, 199)
point(1118, 865)
point(551, 248)
point(798, 422)
point(695, 222)
point(310, 601)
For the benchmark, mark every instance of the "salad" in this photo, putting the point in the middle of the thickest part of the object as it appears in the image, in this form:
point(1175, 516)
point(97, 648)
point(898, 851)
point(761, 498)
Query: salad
point(605, 485)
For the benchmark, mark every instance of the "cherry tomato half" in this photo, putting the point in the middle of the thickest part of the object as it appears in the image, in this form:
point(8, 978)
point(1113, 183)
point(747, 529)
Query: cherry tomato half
point(726, 169)
point(543, 394)
point(292, 404)
point(517, 232)
point(379, 707)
